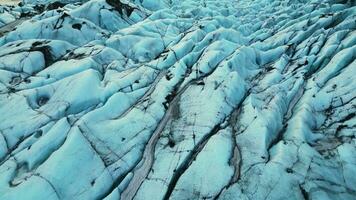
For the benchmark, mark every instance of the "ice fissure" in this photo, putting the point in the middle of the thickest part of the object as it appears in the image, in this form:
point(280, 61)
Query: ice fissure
point(168, 99)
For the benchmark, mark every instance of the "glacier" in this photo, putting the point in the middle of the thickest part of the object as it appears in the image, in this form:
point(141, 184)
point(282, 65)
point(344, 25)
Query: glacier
point(178, 99)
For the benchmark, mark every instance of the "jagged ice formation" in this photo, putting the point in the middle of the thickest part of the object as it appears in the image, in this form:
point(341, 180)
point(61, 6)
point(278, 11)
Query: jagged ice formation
point(178, 99)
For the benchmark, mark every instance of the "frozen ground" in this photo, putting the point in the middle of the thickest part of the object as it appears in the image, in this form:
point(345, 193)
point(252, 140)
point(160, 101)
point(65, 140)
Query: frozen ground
point(178, 99)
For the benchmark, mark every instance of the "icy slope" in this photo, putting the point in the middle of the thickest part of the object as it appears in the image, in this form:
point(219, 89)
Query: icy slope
point(108, 99)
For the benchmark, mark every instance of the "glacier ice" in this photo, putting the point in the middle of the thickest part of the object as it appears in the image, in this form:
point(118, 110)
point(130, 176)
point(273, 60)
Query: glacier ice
point(178, 99)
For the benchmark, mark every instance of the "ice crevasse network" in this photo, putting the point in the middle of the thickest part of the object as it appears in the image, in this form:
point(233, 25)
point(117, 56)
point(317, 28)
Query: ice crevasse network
point(168, 99)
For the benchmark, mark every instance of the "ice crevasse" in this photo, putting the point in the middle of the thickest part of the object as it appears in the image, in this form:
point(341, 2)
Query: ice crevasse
point(178, 99)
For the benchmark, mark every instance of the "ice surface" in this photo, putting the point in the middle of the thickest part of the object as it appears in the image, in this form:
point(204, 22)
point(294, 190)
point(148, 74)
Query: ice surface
point(180, 99)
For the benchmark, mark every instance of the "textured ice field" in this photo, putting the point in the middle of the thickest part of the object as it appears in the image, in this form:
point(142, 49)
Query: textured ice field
point(178, 99)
